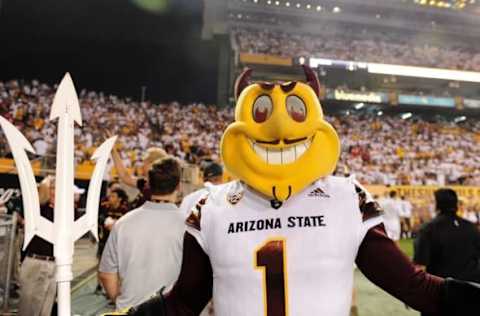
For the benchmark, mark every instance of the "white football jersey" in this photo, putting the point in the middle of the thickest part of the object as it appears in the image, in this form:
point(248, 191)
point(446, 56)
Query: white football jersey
point(295, 260)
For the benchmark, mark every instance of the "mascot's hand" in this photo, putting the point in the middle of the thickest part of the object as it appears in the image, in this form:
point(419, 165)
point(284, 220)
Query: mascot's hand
point(153, 307)
point(461, 298)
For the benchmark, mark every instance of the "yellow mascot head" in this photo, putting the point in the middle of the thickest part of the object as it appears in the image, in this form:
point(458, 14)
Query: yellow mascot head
point(279, 143)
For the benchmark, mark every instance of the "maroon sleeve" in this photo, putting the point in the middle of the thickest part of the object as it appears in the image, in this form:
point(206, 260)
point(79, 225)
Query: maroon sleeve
point(383, 263)
point(193, 289)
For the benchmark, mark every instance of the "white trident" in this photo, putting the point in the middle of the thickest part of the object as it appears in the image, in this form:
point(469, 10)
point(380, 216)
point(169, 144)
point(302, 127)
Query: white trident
point(64, 231)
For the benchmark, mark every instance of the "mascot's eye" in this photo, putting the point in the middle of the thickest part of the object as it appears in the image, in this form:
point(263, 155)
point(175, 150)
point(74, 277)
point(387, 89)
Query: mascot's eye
point(262, 108)
point(296, 108)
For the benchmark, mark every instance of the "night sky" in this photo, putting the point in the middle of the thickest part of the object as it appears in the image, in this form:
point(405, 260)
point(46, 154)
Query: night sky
point(113, 46)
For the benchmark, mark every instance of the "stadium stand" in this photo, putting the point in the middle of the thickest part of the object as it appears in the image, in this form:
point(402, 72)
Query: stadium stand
point(383, 150)
point(189, 132)
point(352, 45)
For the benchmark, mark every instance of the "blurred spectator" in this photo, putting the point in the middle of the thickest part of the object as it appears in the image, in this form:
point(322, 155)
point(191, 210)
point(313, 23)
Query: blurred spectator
point(449, 246)
point(144, 249)
point(151, 155)
point(37, 272)
point(212, 175)
point(391, 217)
point(406, 217)
point(111, 209)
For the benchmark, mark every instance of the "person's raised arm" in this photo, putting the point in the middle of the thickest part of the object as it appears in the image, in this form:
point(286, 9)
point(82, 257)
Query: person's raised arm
point(122, 172)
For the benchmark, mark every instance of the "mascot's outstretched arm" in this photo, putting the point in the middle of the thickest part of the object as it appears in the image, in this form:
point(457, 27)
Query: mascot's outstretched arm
point(383, 263)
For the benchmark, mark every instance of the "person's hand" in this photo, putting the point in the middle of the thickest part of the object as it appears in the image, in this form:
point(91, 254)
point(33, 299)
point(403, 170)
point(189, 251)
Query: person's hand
point(6, 196)
point(108, 133)
point(108, 224)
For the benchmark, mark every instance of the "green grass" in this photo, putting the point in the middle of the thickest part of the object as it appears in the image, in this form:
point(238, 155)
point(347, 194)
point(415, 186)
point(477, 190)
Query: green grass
point(372, 301)
point(407, 246)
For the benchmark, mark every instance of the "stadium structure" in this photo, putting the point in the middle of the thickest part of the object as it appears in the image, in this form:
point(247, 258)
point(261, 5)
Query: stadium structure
point(359, 49)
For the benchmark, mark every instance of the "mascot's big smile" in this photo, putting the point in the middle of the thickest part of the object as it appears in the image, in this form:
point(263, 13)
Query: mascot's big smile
point(281, 155)
point(279, 142)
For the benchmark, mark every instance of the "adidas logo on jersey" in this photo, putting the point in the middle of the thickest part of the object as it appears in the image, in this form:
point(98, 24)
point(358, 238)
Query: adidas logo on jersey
point(318, 193)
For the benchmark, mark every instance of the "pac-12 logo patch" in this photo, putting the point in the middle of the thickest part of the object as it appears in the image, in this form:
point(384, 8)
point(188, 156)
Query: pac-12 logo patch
point(318, 193)
point(234, 197)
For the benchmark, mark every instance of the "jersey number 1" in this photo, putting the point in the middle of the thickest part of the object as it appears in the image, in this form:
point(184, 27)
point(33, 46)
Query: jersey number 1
point(271, 258)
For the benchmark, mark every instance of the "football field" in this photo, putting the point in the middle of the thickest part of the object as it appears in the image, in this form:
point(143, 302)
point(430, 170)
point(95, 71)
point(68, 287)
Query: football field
point(374, 302)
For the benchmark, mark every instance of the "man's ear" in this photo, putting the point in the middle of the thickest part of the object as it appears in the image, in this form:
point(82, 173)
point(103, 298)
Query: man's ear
point(179, 187)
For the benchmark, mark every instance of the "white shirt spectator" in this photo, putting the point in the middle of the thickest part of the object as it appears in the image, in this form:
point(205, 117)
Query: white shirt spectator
point(145, 249)
point(40, 146)
point(406, 207)
point(391, 217)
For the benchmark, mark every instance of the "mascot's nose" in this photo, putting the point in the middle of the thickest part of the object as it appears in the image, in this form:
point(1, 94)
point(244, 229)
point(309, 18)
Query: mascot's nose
point(280, 127)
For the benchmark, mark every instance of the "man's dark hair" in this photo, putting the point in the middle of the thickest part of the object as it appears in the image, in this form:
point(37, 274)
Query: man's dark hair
point(446, 200)
point(164, 176)
point(212, 170)
point(393, 194)
point(122, 195)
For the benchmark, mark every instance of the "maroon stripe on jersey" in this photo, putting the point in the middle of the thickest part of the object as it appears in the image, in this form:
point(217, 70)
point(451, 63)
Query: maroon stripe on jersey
point(193, 220)
point(369, 208)
point(383, 263)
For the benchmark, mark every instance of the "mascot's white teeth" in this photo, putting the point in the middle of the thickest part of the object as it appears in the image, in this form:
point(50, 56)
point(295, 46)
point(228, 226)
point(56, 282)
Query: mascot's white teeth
point(279, 156)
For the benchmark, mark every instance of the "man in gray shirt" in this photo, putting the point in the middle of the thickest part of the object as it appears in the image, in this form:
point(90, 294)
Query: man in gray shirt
point(144, 250)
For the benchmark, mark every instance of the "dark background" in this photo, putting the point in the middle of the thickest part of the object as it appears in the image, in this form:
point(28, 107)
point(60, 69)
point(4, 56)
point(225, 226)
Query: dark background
point(114, 46)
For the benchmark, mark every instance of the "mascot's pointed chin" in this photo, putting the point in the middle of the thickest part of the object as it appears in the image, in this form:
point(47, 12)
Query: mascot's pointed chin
point(281, 193)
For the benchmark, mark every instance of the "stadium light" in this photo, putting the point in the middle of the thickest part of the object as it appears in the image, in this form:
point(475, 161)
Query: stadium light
point(359, 106)
point(255, 1)
point(337, 10)
point(309, 6)
point(287, 4)
point(406, 116)
point(423, 72)
point(277, 2)
point(269, 2)
point(298, 5)
point(319, 8)
point(379, 113)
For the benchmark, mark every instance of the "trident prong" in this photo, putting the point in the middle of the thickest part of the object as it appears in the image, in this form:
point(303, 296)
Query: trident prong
point(64, 231)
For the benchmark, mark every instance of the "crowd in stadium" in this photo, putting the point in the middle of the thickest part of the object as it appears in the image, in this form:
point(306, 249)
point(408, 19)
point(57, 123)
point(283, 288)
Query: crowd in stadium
point(379, 150)
point(390, 150)
point(189, 131)
point(371, 46)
